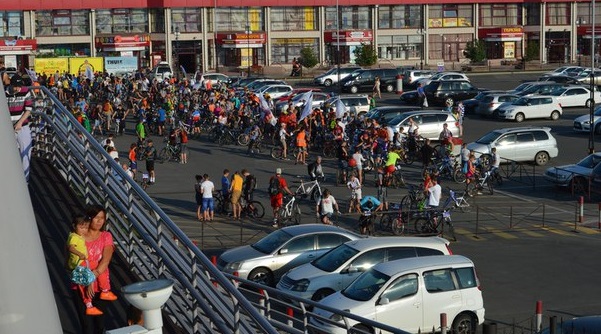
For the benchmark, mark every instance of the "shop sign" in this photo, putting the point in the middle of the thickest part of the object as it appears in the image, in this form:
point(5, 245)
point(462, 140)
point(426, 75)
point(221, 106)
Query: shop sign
point(118, 41)
point(86, 65)
point(120, 64)
point(51, 65)
point(17, 45)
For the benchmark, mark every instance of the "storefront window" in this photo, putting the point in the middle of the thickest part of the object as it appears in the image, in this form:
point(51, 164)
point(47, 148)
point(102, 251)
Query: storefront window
point(11, 24)
point(237, 19)
point(293, 18)
point(450, 15)
point(157, 17)
point(402, 16)
point(500, 14)
point(449, 46)
point(186, 19)
point(62, 22)
point(558, 13)
point(532, 13)
point(400, 47)
point(585, 15)
point(122, 20)
point(284, 50)
point(353, 17)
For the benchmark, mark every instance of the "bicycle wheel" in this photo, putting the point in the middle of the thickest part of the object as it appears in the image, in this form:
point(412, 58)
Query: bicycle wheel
point(471, 189)
point(218, 206)
point(491, 190)
point(448, 230)
point(459, 175)
point(296, 214)
point(276, 152)
point(398, 226)
point(163, 155)
point(340, 177)
point(423, 225)
point(497, 178)
point(257, 211)
point(385, 221)
point(398, 180)
point(463, 205)
point(243, 139)
point(329, 151)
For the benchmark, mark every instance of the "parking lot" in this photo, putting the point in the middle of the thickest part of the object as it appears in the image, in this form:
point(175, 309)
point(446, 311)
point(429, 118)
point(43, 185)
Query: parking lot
point(524, 238)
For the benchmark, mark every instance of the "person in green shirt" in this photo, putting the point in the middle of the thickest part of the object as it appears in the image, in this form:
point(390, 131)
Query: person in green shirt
point(140, 131)
point(372, 102)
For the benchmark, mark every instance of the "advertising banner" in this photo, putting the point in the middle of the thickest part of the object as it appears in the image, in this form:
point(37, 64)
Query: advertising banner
point(114, 65)
point(86, 65)
point(51, 65)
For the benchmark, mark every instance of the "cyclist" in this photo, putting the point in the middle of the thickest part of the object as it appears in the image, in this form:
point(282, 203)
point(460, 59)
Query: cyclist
point(325, 207)
point(315, 170)
point(496, 161)
point(343, 159)
point(355, 186)
point(368, 205)
point(250, 183)
point(434, 193)
point(446, 138)
point(277, 187)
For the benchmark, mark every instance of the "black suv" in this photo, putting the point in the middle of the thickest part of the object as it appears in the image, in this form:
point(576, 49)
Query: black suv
point(363, 80)
point(439, 92)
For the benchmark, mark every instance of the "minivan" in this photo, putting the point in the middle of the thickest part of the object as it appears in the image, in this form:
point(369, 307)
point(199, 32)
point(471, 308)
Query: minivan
point(430, 122)
point(439, 92)
point(522, 144)
point(331, 77)
point(356, 105)
point(363, 80)
point(385, 114)
point(409, 294)
point(336, 269)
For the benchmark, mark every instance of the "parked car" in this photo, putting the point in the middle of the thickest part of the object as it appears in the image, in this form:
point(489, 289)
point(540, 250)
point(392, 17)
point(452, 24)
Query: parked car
point(583, 123)
point(439, 93)
point(519, 144)
point(531, 107)
point(331, 76)
point(216, 77)
point(274, 91)
point(564, 79)
point(318, 99)
point(162, 71)
point(272, 256)
point(430, 122)
point(443, 76)
point(575, 175)
point(522, 86)
point(571, 71)
point(337, 268)
point(295, 92)
point(470, 105)
point(363, 80)
point(576, 96)
point(585, 77)
point(490, 103)
point(411, 77)
point(355, 104)
point(540, 88)
point(385, 114)
point(257, 84)
point(409, 294)
point(580, 325)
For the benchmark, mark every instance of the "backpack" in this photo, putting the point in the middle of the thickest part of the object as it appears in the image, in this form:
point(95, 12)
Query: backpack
point(251, 183)
point(274, 186)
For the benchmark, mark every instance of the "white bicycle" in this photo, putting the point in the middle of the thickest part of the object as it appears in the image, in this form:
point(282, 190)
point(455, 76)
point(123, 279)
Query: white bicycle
point(311, 189)
point(289, 213)
point(459, 201)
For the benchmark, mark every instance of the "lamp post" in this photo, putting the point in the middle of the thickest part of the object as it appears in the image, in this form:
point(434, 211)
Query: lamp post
point(591, 137)
point(338, 45)
point(176, 33)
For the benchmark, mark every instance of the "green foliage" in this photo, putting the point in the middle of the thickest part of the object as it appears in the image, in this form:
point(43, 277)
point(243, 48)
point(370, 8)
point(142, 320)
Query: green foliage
point(366, 55)
point(308, 58)
point(531, 52)
point(475, 51)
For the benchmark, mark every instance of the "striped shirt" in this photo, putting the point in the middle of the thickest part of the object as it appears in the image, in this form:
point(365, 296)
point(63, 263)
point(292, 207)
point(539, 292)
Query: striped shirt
point(18, 103)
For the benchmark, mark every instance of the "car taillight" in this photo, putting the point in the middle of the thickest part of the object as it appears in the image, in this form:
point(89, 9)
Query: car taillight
point(477, 280)
point(449, 249)
point(491, 105)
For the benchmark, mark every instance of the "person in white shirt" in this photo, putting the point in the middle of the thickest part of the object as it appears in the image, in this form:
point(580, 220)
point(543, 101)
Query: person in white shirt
point(496, 159)
point(325, 207)
point(355, 186)
point(434, 193)
point(206, 189)
point(359, 159)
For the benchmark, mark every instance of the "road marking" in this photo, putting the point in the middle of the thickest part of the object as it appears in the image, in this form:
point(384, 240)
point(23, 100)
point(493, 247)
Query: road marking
point(529, 232)
point(556, 231)
point(469, 234)
point(581, 229)
point(502, 234)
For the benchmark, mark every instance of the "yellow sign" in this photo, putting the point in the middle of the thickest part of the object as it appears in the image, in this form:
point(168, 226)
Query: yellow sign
point(85, 65)
point(51, 65)
point(245, 55)
point(509, 50)
point(511, 30)
point(463, 22)
point(435, 23)
point(449, 22)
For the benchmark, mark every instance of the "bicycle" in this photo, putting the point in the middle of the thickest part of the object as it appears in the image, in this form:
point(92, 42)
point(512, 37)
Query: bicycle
point(311, 189)
point(145, 183)
point(171, 152)
point(435, 221)
point(277, 152)
point(252, 209)
point(221, 202)
point(475, 187)
point(412, 202)
point(460, 201)
point(366, 222)
point(393, 221)
point(289, 213)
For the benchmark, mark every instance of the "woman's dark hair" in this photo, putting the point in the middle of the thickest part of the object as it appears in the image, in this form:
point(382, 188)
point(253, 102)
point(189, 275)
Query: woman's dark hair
point(93, 210)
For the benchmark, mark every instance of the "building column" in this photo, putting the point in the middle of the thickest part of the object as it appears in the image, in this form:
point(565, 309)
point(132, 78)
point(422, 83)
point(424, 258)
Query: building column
point(205, 38)
point(542, 47)
point(425, 38)
point(374, 26)
point(93, 32)
point(266, 13)
point(321, 40)
point(168, 37)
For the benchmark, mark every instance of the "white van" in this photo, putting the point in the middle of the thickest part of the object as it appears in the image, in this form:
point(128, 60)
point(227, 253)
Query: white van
point(409, 294)
point(336, 269)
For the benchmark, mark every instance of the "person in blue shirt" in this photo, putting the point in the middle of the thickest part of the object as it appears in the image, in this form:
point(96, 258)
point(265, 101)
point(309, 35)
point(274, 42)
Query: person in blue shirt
point(225, 189)
point(368, 204)
point(162, 117)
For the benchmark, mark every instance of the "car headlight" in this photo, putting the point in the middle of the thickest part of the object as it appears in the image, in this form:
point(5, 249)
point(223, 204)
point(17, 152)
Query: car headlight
point(348, 83)
point(337, 317)
point(233, 266)
point(300, 285)
point(586, 123)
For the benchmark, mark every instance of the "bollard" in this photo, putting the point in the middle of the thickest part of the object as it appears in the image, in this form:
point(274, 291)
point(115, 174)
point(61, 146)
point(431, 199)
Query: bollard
point(399, 84)
point(581, 209)
point(489, 328)
point(214, 260)
point(553, 324)
point(539, 316)
point(290, 313)
point(443, 323)
point(262, 302)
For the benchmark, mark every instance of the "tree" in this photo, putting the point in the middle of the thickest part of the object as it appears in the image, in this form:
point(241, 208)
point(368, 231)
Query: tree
point(365, 55)
point(308, 58)
point(531, 52)
point(475, 51)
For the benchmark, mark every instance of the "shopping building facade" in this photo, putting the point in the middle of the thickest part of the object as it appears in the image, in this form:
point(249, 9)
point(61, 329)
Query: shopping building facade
point(219, 34)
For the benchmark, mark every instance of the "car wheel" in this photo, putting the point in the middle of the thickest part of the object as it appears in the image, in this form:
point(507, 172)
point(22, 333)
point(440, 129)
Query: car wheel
point(261, 276)
point(555, 115)
point(588, 103)
point(321, 294)
point(354, 89)
point(389, 88)
point(449, 102)
point(464, 324)
point(541, 158)
point(578, 185)
point(360, 329)
point(327, 83)
point(519, 117)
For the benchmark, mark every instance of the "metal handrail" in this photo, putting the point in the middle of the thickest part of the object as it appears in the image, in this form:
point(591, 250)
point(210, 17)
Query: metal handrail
point(204, 300)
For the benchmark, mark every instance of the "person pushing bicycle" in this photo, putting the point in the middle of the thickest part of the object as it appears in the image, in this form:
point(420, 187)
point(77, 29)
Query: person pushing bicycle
point(369, 205)
point(325, 207)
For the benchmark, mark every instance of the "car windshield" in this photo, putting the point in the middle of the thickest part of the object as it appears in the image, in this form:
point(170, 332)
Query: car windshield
point(560, 69)
point(272, 241)
point(334, 258)
point(366, 285)
point(488, 138)
point(523, 86)
point(590, 161)
point(522, 101)
point(557, 92)
point(396, 121)
point(436, 76)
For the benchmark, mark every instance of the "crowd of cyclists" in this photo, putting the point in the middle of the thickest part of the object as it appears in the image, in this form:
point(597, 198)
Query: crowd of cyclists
point(178, 110)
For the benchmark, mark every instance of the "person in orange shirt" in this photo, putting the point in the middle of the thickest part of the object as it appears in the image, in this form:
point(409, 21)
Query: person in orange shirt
point(301, 143)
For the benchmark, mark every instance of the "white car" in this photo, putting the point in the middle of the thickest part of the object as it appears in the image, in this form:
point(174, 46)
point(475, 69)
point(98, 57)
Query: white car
point(538, 106)
point(571, 71)
point(409, 294)
point(583, 123)
point(275, 91)
point(443, 76)
point(353, 104)
point(162, 71)
point(576, 96)
point(336, 269)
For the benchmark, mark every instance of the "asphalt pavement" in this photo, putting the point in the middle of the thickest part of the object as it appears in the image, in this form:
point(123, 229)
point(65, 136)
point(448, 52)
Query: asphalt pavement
point(524, 239)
